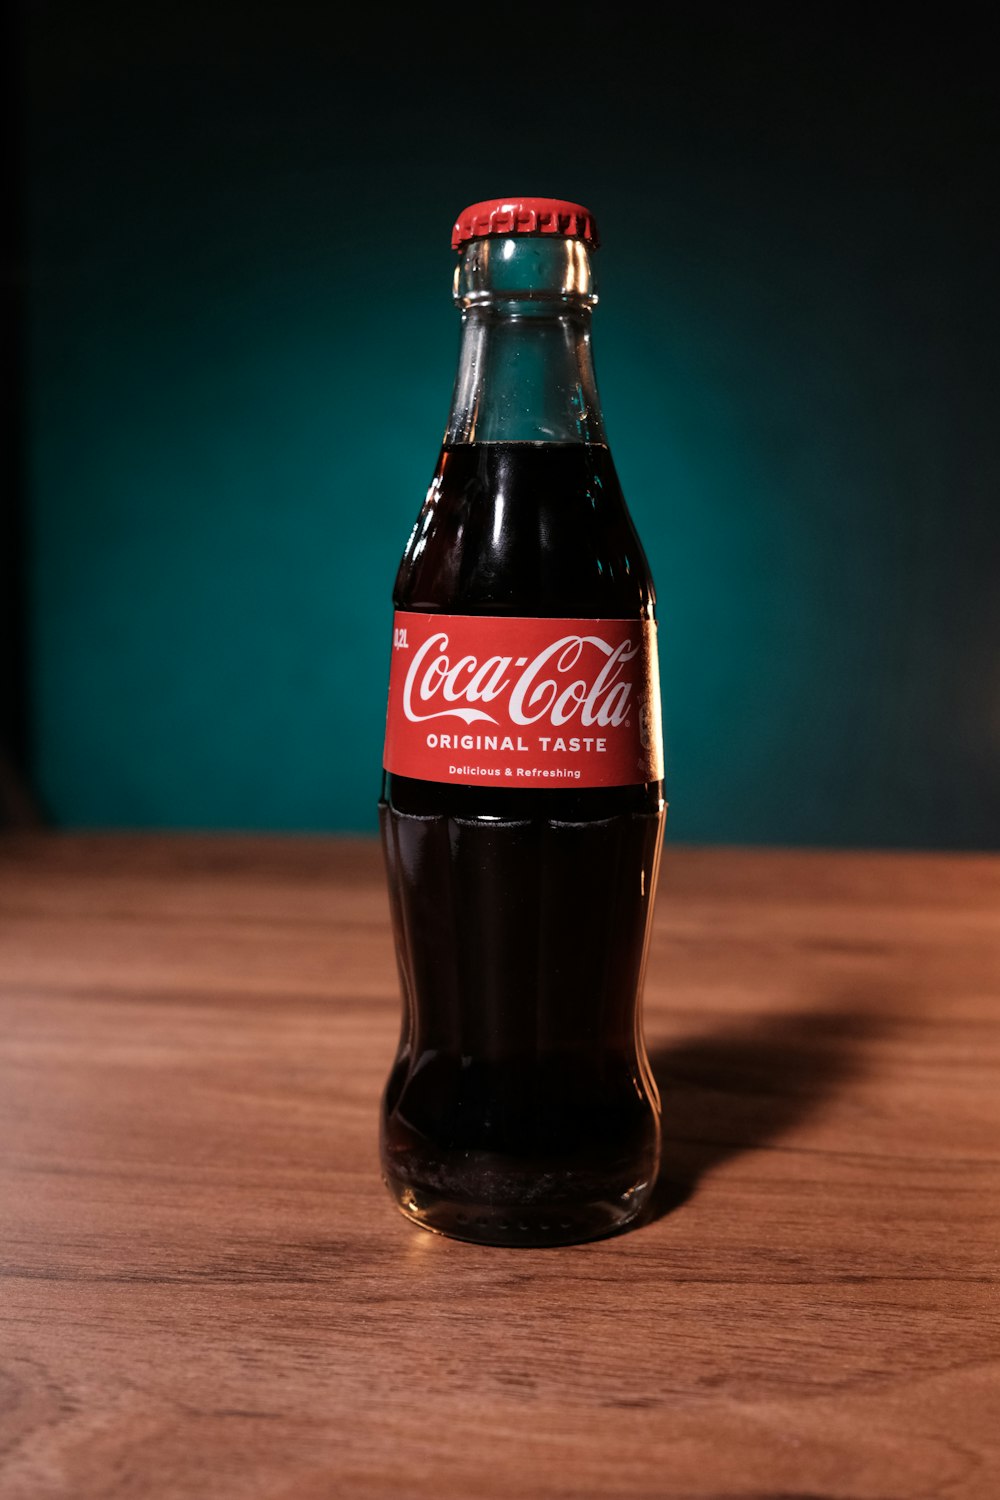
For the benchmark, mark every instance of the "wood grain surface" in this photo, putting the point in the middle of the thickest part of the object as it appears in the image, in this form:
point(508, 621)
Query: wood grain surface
point(206, 1290)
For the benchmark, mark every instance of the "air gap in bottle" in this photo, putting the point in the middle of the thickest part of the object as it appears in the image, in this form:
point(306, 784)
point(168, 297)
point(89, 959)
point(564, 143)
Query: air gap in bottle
point(522, 806)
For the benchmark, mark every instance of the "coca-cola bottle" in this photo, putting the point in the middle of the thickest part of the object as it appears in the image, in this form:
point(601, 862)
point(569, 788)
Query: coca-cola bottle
point(522, 806)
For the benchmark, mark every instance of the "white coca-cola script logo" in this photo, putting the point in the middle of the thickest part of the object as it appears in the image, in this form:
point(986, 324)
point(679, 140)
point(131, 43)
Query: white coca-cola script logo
point(599, 699)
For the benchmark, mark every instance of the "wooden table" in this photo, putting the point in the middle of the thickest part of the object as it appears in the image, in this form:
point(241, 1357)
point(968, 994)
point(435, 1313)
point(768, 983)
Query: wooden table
point(208, 1293)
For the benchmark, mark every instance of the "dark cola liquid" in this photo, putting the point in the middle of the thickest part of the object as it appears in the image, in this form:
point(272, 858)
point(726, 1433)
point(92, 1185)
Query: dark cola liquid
point(520, 1108)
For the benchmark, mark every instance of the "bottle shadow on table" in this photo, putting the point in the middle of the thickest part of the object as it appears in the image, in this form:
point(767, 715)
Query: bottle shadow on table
point(745, 1085)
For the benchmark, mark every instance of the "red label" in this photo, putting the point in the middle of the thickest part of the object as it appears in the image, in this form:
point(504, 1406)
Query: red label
point(482, 700)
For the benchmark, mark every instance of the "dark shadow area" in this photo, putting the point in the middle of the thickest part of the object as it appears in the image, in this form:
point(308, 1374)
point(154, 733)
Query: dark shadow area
point(744, 1086)
point(17, 805)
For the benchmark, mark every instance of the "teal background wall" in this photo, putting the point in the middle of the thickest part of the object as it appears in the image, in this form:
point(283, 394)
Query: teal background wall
point(241, 347)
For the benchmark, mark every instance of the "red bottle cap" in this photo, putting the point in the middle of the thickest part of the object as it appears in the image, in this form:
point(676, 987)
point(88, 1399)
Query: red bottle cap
point(508, 216)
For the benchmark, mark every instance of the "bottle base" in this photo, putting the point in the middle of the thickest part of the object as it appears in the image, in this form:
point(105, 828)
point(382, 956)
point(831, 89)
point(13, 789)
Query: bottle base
point(530, 1226)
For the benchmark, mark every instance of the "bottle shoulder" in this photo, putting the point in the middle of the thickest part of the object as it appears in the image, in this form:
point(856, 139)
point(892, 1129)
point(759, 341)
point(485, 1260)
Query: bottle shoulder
point(525, 528)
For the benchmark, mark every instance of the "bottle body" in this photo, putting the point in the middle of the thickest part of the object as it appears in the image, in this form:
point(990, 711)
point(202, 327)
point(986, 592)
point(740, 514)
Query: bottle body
point(521, 819)
point(520, 1109)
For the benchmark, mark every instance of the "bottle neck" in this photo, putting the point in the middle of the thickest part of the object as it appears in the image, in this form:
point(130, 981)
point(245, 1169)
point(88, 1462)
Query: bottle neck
point(525, 366)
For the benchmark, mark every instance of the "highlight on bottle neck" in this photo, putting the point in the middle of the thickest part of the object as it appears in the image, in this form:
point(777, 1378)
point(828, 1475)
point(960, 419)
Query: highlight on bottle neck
point(525, 371)
point(525, 269)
